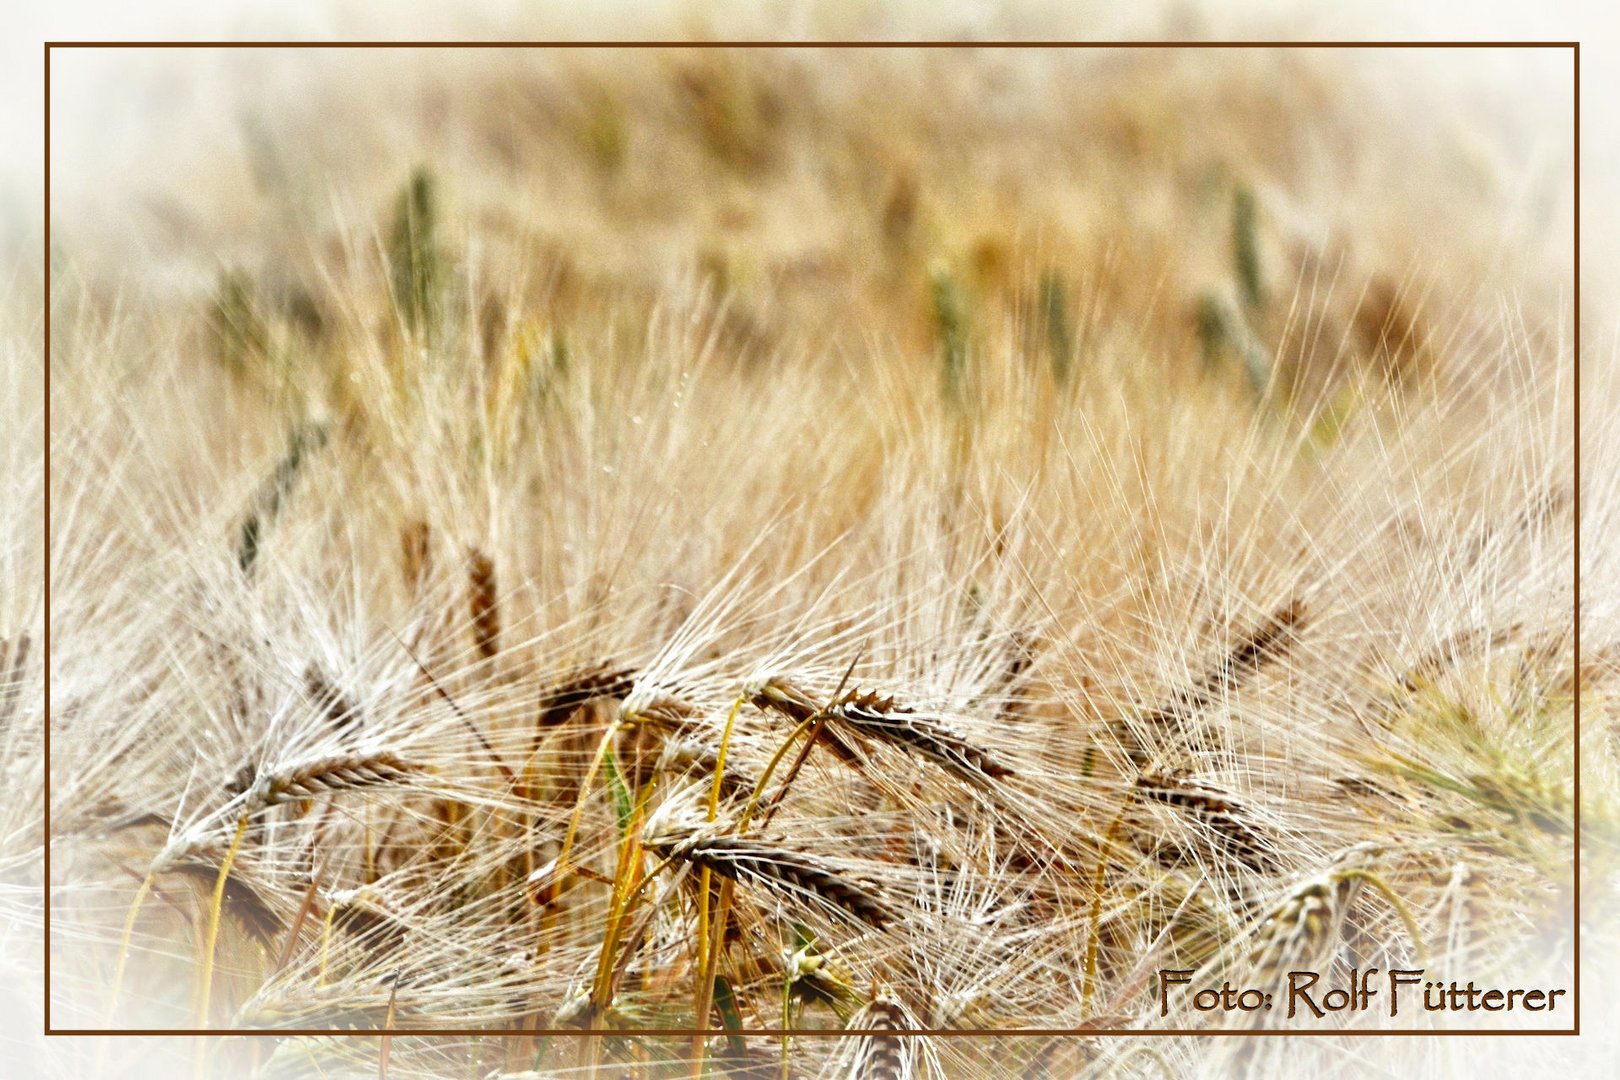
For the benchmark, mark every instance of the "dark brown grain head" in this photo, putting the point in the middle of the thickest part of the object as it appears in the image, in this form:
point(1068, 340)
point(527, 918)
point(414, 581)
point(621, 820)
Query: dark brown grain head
point(559, 700)
point(415, 554)
point(483, 604)
point(1225, 823)
point(1391, 331)
point(340, 712)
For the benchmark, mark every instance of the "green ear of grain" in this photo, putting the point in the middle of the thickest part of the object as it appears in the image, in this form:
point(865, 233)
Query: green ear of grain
point(247, 544)
point(606, 133)
point(1055, 319)
point(1257, 366)
point(267, 505)
point(416, 261)
point(1215, 331)
point(1224, 337)
point(951, 323)
point(239, 336)
point(1246, 248)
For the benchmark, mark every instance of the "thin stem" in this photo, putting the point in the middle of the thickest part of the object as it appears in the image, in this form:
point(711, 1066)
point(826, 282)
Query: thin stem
point(706, 958)
point(1401, 910)
point(123, 947)
point(770, 768)
point(1089, 988)
point(298, 922)
point(787, 1023)
point(212, 940)
point(579, 803)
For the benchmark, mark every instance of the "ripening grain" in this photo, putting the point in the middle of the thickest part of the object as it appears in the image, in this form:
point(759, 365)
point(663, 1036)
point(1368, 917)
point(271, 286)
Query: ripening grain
point(752, 541)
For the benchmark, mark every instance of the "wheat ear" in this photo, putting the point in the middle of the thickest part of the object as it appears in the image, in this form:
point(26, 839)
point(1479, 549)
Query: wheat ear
point(795, 875)
point(880, 718)
point(483, 604)
point(329, 775)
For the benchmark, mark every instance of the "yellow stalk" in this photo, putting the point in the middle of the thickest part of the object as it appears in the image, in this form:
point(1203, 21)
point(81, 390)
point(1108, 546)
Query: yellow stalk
point(625, 884)
point(212, 940)
point(770, 767)
point(707, 955)
point(123, 946)
point(579, 803)
point(1401, 910)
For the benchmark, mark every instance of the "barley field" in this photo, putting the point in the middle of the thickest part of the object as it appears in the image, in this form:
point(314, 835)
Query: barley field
point(547, 546)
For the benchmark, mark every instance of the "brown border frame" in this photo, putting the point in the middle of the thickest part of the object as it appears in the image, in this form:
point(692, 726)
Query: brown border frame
point(1573, 46)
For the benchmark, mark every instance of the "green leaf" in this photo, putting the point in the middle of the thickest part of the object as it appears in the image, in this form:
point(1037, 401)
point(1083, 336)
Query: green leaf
point(726, 1002)
point(623, 804)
